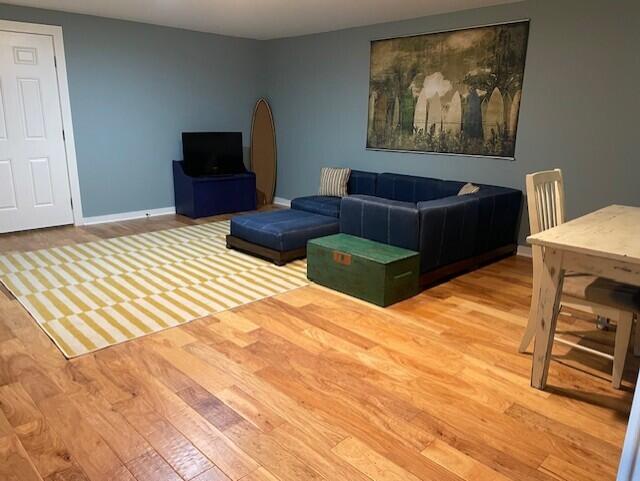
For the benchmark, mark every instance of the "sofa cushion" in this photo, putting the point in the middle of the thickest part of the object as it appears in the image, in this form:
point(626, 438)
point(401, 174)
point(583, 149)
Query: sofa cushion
point(318, 204)
point(448, 229)
point(361, 182)
point(447, 188)
point(407, 188)
point(498, 217)
point(283, 230)
point(383, 220)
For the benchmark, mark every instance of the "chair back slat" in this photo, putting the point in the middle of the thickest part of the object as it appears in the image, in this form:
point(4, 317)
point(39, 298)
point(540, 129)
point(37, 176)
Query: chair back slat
point(545, 199)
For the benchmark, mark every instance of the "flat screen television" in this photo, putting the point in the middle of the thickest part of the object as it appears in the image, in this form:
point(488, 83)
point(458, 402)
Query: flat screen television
point(212, 153)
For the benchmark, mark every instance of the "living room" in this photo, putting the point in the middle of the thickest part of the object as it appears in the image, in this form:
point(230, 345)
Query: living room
point(363, 297)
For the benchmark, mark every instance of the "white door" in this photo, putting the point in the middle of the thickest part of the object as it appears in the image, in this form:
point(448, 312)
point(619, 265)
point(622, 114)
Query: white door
point(34, 182)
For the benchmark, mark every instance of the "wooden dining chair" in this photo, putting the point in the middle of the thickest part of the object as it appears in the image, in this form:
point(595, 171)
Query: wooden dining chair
point(595, 295)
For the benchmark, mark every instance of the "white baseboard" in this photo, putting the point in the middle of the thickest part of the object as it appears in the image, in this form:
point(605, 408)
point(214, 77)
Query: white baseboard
point(524, 251)
point(138, 214)
point(281, 201)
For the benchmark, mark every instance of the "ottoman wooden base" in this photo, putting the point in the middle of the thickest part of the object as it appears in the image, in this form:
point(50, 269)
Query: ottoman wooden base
point(277, 257)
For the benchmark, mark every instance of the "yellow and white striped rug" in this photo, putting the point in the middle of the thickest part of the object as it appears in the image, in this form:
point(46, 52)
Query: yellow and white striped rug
point(97, 294)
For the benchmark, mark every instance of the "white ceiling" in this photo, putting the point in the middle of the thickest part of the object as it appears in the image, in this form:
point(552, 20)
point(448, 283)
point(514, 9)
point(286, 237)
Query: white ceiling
point(260, 19)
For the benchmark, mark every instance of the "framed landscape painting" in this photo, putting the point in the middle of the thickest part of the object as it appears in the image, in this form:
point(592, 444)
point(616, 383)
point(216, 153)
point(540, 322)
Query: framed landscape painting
point(455, 92)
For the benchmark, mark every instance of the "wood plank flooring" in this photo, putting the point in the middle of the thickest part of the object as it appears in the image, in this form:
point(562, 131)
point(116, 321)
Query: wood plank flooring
point(312, 385)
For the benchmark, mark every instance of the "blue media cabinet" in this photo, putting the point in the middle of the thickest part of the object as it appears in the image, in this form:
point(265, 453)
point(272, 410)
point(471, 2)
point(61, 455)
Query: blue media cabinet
point(205, 196)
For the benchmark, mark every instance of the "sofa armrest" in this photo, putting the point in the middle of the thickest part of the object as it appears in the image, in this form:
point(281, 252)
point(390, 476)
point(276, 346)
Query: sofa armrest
point(499, 217)
point(383, 220)
point(448, 228)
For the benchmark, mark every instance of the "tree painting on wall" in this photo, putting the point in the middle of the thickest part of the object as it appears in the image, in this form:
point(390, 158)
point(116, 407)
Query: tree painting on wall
point(454, 92)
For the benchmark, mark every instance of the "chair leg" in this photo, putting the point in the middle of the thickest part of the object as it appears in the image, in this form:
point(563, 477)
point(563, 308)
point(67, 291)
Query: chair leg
point(623, 336)
point(530, 331)
point(636, 342)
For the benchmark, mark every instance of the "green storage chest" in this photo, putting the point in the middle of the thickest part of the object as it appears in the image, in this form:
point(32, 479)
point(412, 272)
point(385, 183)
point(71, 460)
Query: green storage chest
point(378, 273)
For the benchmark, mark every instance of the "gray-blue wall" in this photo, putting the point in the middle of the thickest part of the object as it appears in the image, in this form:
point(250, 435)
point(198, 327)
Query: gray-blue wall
point(134, 88)
point(580, 106)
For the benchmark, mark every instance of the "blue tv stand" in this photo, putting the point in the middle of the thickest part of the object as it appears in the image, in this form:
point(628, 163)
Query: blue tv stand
point(205, 196)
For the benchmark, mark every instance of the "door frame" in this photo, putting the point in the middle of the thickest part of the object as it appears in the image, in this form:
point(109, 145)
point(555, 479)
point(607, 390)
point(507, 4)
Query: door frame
point(55, 32)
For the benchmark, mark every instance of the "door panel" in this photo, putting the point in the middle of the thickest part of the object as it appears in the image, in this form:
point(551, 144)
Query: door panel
point(32, 113)
point(7, 192)
point(34, 181)
point(25, 55)
point(41, 181)
point(3, 120)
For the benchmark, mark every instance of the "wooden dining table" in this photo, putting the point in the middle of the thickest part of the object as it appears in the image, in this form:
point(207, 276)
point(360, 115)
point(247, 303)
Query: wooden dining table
point(605, 243)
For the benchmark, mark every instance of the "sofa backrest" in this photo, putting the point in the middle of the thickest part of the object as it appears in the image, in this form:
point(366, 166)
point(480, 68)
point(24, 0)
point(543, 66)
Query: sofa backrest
point(361, 182)
point(382, 220)
point(410, 188)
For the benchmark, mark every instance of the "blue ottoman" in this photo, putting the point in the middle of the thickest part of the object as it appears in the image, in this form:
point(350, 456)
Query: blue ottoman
point(279, 236)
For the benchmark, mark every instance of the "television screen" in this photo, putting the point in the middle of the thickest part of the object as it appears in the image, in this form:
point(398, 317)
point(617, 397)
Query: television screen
point(212, 153)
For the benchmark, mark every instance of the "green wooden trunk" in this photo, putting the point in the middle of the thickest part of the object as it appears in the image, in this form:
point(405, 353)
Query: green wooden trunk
point(378, 273)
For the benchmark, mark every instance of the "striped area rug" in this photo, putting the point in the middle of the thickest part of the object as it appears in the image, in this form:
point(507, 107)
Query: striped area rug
point(93, 295)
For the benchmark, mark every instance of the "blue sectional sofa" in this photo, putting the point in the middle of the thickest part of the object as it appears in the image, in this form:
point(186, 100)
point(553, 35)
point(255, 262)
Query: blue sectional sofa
point(427, 215)
point(452, 233)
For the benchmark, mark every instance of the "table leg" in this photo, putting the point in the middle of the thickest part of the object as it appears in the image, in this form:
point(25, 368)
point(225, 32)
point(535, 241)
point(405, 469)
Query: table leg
point(551, 279)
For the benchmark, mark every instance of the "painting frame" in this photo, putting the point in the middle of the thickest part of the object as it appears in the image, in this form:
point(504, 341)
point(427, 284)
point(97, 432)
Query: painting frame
point(526, 22)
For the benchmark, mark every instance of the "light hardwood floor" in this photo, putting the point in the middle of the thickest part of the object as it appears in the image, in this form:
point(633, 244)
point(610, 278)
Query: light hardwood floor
point(312, 385)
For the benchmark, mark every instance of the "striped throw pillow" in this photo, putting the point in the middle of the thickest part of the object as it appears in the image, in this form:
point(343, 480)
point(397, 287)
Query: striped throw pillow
point(333, 181)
